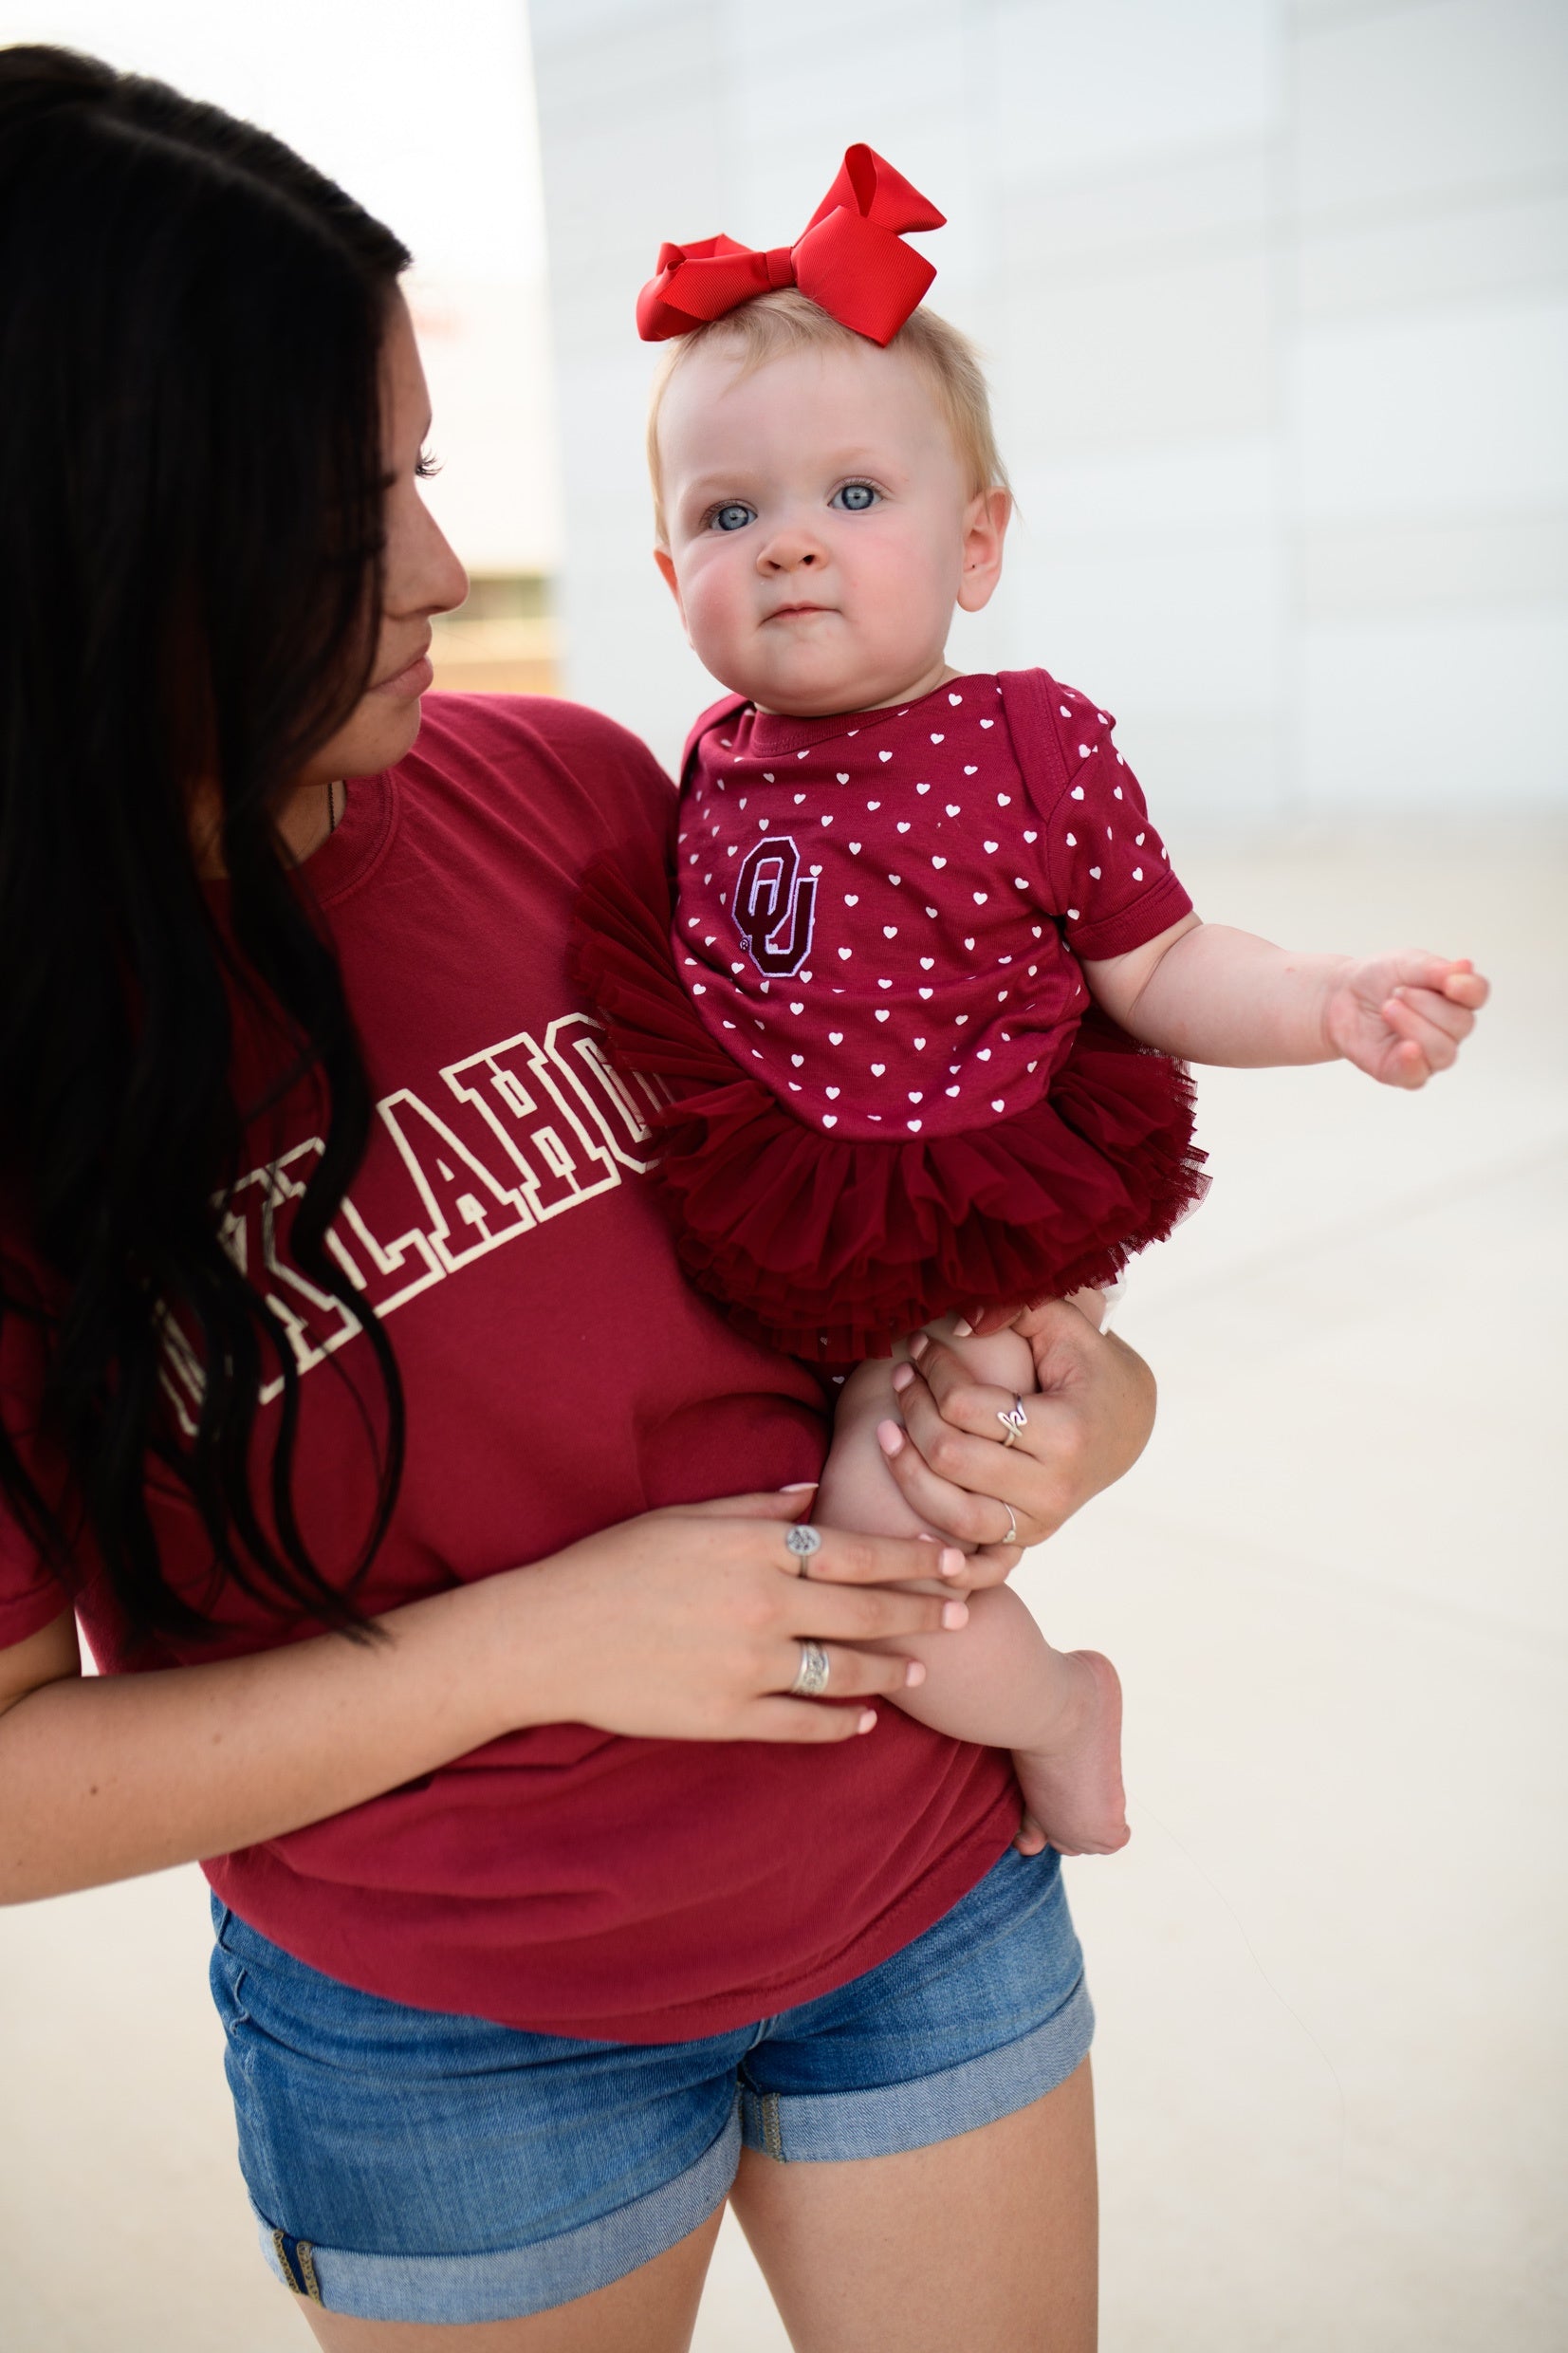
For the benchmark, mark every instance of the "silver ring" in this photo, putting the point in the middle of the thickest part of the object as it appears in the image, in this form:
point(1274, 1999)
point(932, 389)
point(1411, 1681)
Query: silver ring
point(803, 1541)
point(1011, 1536)
point(1014, 1420)
point(811, 1674)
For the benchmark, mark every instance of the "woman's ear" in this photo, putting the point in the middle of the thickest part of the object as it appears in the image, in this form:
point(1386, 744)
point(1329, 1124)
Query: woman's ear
point(986, 520)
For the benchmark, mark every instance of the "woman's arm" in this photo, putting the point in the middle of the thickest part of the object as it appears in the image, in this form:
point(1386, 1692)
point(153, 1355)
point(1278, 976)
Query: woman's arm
point(1207, 993)
point(683, 1624)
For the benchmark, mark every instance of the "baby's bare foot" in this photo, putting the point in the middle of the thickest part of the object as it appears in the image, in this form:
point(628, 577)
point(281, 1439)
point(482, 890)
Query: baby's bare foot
point(1073, 1797)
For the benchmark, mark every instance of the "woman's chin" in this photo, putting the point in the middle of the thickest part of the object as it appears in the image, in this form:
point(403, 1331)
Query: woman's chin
point(381, 732)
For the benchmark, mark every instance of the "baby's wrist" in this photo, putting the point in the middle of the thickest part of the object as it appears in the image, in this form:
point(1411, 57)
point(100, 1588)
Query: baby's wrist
point(1329, 981)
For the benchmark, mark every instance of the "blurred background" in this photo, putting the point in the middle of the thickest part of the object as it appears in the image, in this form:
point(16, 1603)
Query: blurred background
point(1275, 299)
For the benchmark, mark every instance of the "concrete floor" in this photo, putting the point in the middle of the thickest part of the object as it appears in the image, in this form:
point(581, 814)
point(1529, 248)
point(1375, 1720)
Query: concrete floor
point(1330, 1967)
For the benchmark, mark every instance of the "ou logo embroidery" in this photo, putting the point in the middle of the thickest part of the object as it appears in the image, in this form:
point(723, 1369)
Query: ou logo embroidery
point(775, 907)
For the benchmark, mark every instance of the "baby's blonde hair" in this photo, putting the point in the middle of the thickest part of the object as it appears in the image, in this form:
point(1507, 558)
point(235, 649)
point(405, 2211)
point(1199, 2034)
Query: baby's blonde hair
point(773, 324)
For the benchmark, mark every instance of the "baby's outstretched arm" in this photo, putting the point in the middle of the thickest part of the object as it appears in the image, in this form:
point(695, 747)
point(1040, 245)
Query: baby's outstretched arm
point(1210, 995)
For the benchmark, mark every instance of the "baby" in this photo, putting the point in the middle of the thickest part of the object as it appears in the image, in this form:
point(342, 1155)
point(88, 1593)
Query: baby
point(933, 983)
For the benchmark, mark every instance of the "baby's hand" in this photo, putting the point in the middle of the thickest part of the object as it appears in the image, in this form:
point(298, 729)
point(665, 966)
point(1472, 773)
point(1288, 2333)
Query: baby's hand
point(1400, 1017)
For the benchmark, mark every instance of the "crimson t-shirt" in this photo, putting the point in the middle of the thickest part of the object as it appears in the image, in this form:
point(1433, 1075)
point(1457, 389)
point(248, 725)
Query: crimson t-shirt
point(560, 1378)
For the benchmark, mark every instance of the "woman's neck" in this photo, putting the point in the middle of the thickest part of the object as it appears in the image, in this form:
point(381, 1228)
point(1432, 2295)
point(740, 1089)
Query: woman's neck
point(309, 815)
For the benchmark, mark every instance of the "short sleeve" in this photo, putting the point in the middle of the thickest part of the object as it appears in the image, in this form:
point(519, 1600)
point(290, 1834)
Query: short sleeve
point(1110, 874)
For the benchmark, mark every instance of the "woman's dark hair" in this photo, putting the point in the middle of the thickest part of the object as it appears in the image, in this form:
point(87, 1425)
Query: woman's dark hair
point(191, 496)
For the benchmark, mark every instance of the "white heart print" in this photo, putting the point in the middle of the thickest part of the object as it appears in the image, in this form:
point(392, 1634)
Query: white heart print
point(884, 756)
point(877, 1068)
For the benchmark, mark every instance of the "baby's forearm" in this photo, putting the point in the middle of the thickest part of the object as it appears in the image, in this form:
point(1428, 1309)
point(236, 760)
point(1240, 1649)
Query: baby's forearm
point(1218, 995)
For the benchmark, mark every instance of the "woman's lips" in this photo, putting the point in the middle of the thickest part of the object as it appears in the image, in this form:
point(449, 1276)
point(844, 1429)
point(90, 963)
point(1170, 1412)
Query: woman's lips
point(414, 679)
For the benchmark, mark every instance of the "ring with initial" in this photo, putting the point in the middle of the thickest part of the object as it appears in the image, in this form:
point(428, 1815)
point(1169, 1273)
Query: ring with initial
point(811, 1674)
point(803, 1541)
point(1014, 1420)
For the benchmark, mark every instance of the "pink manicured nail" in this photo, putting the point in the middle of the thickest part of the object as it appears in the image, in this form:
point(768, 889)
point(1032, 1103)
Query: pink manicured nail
point(953, 1563)
point(902, 1378)
point(868, 1720)
point(919, 1344)
point(955, 1614)
point(913, 1673)
point(799, 1487)
point(963, 1329)
point(890, 1438)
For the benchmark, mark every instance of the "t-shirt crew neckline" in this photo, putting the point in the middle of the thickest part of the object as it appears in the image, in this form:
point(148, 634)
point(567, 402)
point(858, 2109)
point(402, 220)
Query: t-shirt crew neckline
point(353, 850)
point(774, 732)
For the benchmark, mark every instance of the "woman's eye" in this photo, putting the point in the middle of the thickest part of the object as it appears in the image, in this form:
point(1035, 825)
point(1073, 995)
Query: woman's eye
point(731, 518)
point(855, 497)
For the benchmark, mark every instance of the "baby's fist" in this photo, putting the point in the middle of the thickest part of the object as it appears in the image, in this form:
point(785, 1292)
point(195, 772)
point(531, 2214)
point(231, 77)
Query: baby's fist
point(1403, 1016)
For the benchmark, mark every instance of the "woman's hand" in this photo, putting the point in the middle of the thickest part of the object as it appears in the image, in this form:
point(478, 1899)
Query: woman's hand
point(686, 1624)
point(1087, 1424)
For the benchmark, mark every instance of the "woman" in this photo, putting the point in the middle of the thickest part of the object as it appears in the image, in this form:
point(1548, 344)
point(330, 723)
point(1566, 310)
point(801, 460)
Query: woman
point(548, 1911)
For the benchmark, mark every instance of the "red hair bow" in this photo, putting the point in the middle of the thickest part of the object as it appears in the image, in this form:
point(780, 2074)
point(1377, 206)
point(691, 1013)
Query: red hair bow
point(851, 260)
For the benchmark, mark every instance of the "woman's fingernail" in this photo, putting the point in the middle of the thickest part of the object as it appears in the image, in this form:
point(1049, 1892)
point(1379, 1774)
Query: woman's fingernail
point(953, 1563)
point(913, 1673)
point(955, 1614)
point(919, 1344)
point(902, 1378)
point(963, 1329)
point(890, 1438)
point(799, 1487)
point(868, 1720)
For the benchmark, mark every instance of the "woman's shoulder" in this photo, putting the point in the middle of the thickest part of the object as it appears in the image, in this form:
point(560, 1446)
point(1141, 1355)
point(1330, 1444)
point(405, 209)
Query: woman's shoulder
point(543, 734)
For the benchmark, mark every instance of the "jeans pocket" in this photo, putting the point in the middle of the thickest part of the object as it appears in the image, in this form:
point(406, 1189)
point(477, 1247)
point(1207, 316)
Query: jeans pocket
point(227, 1977)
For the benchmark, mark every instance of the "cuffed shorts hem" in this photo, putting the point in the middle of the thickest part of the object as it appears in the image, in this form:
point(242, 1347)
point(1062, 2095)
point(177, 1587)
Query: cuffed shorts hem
point(414, 2165)
point(828, 2128)
point(519, 2281)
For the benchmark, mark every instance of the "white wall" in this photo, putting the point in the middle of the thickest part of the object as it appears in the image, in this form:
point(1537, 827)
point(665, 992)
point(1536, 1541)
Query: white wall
point(1276, 300)
point(426, 117)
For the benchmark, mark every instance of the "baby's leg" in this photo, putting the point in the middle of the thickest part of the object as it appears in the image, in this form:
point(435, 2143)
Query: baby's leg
point(999, 1682)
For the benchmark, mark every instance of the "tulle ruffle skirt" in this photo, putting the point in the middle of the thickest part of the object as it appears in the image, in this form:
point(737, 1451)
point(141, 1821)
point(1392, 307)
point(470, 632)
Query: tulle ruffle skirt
point(833, 1249)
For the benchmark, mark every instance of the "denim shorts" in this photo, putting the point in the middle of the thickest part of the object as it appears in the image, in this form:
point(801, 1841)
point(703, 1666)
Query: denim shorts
point(410, 2165)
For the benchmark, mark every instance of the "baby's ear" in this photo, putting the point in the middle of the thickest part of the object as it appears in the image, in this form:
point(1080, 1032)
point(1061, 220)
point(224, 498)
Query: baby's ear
point(666, 562)
point(985, 522)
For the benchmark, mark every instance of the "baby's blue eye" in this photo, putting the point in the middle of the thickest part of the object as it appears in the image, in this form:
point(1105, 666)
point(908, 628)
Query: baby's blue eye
point(731, 518)
point(855, 497)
